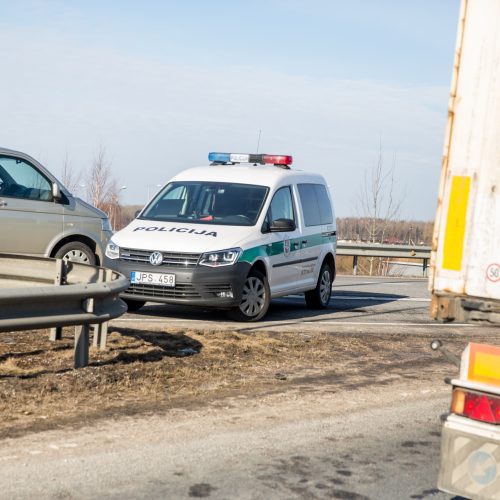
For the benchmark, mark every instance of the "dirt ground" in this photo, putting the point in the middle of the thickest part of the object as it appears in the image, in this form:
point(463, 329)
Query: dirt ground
point(145, 371)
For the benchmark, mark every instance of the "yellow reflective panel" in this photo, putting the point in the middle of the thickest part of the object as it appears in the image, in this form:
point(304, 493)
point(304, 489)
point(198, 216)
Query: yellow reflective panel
point(455, 223)
point(484, 364)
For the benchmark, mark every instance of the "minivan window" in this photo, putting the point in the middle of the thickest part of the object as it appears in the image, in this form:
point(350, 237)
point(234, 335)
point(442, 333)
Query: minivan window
point(19, 179)
point(223, 203)
point(282, 205)
point(315, 204)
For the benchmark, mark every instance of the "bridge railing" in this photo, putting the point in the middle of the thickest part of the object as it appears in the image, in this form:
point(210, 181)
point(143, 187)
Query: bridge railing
point(357, 250)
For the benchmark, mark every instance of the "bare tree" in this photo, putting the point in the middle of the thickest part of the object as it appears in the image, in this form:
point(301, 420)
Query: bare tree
point(69, 177)
point(99, 180)
point(102, 190)
point(377, 202)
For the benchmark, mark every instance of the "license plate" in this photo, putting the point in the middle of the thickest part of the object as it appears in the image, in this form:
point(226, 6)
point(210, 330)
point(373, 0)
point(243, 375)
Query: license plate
point(152, 278)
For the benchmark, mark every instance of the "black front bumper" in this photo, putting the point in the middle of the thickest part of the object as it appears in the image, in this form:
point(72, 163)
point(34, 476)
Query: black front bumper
point(197, 285)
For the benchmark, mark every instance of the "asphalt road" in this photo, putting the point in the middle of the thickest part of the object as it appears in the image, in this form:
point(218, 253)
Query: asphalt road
point(273, 449)
point(389, 303)
point(379, 442)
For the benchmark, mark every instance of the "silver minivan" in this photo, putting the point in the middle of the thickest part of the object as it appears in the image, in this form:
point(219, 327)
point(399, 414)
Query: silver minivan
point(39, 216)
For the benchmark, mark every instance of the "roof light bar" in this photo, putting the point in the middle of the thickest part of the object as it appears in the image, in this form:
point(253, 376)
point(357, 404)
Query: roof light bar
point(263, 159)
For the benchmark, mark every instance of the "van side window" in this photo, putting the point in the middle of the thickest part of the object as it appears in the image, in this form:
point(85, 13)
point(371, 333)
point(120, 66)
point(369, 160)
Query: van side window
point(315, 204)
point(19, 179)
point(282, 205)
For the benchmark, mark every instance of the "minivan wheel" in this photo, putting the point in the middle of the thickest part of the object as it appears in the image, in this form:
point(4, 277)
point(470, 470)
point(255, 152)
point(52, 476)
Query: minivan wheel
point(320, 296)
point(76, 252)
point(255, 298)
point(134, 305)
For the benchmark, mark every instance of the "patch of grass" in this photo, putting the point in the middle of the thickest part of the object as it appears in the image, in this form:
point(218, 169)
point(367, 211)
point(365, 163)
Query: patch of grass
point(153, 369)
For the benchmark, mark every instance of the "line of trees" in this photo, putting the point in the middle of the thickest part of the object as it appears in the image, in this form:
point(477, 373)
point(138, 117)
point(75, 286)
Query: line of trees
point(396, 232)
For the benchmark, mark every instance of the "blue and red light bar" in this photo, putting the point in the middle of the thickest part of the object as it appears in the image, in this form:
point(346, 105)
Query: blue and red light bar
point(263, 159)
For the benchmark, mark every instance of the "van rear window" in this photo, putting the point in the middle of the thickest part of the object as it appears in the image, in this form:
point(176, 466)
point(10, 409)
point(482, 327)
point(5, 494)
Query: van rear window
point(222, 203)
point(315, 204)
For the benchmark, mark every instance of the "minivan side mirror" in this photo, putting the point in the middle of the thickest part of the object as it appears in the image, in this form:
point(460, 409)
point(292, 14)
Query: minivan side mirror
point(282, 226)
point(56, 192)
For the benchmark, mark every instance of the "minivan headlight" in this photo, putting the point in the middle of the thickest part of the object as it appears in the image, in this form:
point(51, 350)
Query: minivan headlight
point(106, 225)
point(112, 250)
point(220, 258)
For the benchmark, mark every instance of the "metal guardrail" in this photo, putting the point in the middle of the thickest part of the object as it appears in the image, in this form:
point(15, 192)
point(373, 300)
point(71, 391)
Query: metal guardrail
point(40, 293)
point(383, 250)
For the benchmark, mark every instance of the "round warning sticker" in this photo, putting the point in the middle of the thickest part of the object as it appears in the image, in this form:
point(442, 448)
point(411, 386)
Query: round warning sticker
point(482, 467)
point(493, 272)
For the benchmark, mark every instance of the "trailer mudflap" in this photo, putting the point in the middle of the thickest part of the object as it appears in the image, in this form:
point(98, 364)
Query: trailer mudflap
point(470, 462)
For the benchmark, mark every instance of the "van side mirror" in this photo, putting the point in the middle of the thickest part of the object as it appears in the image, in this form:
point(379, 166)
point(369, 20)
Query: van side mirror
point(56, 192)
point(282, 226)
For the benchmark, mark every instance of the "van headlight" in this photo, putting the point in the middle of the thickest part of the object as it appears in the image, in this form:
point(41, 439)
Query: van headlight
point(220, 258)
point(106, 225)
point(112, 250)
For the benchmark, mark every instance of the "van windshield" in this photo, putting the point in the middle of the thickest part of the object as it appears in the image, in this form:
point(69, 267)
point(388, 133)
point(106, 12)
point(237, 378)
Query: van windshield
point(208, 203)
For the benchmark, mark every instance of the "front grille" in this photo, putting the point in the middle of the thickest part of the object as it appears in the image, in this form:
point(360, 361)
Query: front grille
point(172, 259)
point(181, 290)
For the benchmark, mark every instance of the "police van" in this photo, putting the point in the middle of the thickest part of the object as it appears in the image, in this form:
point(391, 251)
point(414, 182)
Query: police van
point(231, 235)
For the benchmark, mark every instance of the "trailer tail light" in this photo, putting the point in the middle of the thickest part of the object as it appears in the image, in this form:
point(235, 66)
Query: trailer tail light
point(477, 406)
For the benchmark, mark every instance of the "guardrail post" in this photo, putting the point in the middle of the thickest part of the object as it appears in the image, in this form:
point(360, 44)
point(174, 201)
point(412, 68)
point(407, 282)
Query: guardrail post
point(81, 346)
point(56, 332)
point(98, 329)
point(104, 332)
point(355, 265)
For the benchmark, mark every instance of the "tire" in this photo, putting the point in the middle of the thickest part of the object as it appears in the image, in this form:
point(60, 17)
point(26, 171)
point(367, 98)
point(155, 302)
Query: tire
point(134, 305)
point(255, 299)
point(320, 296)
point(76, 252)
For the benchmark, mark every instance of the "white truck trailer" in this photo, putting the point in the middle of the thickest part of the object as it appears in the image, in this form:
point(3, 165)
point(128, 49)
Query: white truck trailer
point(465, 260)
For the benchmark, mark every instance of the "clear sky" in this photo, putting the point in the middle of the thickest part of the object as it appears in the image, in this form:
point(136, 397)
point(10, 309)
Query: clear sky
point(159, 84)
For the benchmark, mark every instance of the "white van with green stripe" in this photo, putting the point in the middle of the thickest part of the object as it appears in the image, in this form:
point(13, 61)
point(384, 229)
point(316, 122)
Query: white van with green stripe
point(231, 235)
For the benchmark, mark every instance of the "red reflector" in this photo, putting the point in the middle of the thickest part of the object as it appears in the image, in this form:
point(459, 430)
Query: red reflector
point(483, 411)
point(482, 407)
point(278, 159)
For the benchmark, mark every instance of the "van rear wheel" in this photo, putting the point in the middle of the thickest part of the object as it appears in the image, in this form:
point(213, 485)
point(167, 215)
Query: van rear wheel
point(76, 251)
point(255, 298)
point(320, 296)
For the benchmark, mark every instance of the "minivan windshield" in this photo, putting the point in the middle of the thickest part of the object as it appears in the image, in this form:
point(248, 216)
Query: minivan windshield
point(222, 203)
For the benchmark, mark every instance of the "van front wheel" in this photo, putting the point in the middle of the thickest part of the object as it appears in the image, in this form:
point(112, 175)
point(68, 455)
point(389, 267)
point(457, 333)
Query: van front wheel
point(320, 296)
point(76, 252)
point(255, 298)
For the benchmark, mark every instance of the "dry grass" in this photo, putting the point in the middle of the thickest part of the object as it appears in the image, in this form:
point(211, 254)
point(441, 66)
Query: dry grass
point(152, 370)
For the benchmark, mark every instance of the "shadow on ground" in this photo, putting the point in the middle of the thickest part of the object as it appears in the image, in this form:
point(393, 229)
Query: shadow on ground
point(288, 308)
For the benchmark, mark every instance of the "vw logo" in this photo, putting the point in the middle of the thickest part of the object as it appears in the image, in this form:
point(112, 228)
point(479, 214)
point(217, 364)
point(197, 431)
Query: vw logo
point(156, 258)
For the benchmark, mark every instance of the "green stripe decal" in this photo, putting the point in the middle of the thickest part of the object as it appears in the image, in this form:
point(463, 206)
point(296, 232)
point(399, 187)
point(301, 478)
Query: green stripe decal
point(276, 248)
